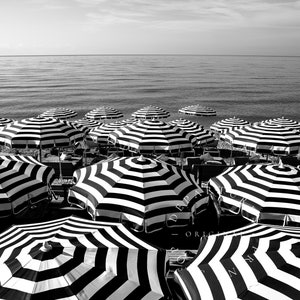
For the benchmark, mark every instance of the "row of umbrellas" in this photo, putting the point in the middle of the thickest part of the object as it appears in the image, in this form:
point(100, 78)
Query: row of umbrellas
point(279, 135)
point(107, 112)
point(153, 135)
point(240, 264)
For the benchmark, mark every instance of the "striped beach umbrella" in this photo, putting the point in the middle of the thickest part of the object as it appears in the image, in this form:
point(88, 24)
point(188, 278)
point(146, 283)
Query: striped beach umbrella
point(253, 262)
point(152, 135)
point(229, 123)
point(198, 110)
point(61, 113)
point(147, 193)
point(40, 133)
point(73, 258)
point(283, 122)
point(24, 183)
point(202, 135)
point(260, 193)
point(103, 112)
point(4, 122)
point(265, 138)
point(87, 123)
point(151, 112)
point(100, 134)
point(82, 129)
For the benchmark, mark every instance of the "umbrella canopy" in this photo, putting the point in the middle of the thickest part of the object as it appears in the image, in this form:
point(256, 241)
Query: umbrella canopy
point(229, 123)
point(100, 134)
point(39, 132)
point(198, 110)
point(5, 121)
point(87, 123)
point(265, 138)
point(73, 258)
point(202, 135)
point(152, 135)
point(284, 122)
point(143, 191)
point(59, 113)
point(261, 193)
point(151, 112)
point(104, 112)
point(24, 182)
point(253, 262)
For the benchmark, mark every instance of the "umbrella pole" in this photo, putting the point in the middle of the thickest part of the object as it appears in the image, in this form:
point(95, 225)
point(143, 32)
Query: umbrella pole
point(59, 165)
point(40, 153)
point(84, 151)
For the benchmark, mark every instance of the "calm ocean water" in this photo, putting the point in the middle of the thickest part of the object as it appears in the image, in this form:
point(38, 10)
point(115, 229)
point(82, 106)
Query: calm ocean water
point(250, 87)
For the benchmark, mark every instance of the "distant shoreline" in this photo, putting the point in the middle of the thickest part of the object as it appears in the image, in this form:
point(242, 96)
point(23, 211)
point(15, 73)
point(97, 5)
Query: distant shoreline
point(153, 54)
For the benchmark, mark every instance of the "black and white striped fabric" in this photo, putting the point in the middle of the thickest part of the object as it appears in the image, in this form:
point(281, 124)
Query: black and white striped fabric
point(39, 132)
point(253, 262)
point(202, 135)
point(142, 191)
point(104, 112)
point(152, 135)
point(229, 123)
point(73, 258)
point(198, 110)
point(24, 182)
point(151, 112)
point(285, 122)
point(4, 122)
point(59, 113)
point(261, 193)
point(100, 134)
point(87, 123)
point(265, 138)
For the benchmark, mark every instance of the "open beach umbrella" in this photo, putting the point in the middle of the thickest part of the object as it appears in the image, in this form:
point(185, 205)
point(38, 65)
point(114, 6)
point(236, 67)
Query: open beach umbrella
point(87, 123)
point(253, 262)
point(4, 122)
point(152, 135)
point(284, 122)
point(229, 123)
point(260, 193)
point(104, 112)
point(23, 183)
point(39, 132)
point(61, 113)
point(74, 258)
point(198, 110)
point(100, 134)
point(151, 112)
point(202, 135)
point(82, 129)
point(145, 192)
point(265, 138)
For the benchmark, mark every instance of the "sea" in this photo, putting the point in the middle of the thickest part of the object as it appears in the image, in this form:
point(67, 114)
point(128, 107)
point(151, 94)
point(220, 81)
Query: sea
point(253, 88)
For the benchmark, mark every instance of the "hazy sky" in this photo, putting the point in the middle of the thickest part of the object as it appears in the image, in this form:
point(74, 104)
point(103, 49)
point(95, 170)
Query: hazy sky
point(268, 27)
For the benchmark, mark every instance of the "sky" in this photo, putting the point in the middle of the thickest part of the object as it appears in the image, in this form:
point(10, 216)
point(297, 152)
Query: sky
point(204, 27)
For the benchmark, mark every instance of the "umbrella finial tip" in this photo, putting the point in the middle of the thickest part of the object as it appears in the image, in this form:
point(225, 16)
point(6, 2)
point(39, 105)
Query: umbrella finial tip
point(280, 164)
point(46, 247)
point(141, 158)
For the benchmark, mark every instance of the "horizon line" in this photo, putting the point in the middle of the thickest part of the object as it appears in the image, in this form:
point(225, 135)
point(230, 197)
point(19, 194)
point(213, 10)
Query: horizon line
point(153, 54)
